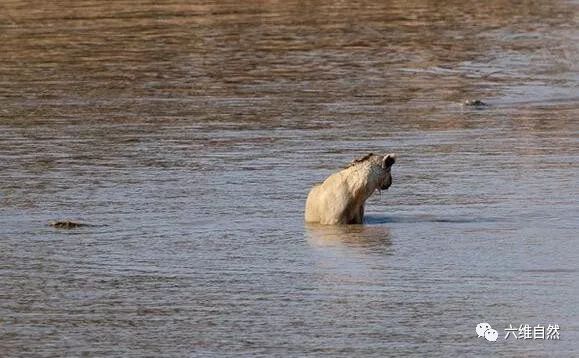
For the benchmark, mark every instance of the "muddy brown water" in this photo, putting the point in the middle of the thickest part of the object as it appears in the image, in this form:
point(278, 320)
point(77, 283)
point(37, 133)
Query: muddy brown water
point(188, 135)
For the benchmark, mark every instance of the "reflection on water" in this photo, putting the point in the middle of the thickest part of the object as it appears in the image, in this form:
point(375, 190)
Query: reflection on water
point(189, 133)
point(360, 236)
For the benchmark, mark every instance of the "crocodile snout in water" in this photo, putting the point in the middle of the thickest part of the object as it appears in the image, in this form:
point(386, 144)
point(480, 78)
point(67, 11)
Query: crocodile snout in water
point(66, 224)
point(474, 103)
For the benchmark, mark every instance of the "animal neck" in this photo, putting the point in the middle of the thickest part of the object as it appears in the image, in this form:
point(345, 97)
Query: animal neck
point(361, 180)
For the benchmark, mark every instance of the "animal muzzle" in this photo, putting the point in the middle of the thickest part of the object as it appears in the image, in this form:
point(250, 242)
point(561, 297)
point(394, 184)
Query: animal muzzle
point(387, 182)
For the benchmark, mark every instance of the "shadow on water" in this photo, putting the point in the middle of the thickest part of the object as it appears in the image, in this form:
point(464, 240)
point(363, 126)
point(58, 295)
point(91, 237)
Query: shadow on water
point(425, 218)
point(374, 234)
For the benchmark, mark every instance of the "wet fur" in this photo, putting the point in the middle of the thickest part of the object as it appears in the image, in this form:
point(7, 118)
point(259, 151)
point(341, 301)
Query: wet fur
point(341, 197)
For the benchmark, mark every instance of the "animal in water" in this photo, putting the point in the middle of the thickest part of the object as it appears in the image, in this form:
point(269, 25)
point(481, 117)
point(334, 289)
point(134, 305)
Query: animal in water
point(474, 103)
point(341, 197)
point(66, 224)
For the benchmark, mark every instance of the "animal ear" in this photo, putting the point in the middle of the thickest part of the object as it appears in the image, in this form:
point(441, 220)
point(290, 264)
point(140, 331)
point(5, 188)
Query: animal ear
point(388, 161)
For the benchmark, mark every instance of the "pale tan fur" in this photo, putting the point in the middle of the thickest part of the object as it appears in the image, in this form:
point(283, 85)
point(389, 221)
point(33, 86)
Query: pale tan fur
point(340, 198)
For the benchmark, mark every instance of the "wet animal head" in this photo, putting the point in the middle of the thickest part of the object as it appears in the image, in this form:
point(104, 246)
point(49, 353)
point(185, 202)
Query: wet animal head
point(387, 161)
point(380, 166)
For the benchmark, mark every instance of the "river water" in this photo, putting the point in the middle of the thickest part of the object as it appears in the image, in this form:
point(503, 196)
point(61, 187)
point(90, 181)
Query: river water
point(188, 135)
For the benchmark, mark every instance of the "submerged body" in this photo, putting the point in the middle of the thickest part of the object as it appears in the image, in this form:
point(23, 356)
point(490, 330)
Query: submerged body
point(341, 197)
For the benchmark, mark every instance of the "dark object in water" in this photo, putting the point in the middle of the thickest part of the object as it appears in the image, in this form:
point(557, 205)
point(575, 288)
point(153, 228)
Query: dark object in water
point(474, 103)
point(66, 224)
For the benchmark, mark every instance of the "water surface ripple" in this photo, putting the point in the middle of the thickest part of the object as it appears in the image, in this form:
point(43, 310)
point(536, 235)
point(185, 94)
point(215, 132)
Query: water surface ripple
point(190, 133)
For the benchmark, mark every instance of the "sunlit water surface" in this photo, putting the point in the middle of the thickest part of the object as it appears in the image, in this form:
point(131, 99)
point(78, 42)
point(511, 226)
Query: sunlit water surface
point(189, 135)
